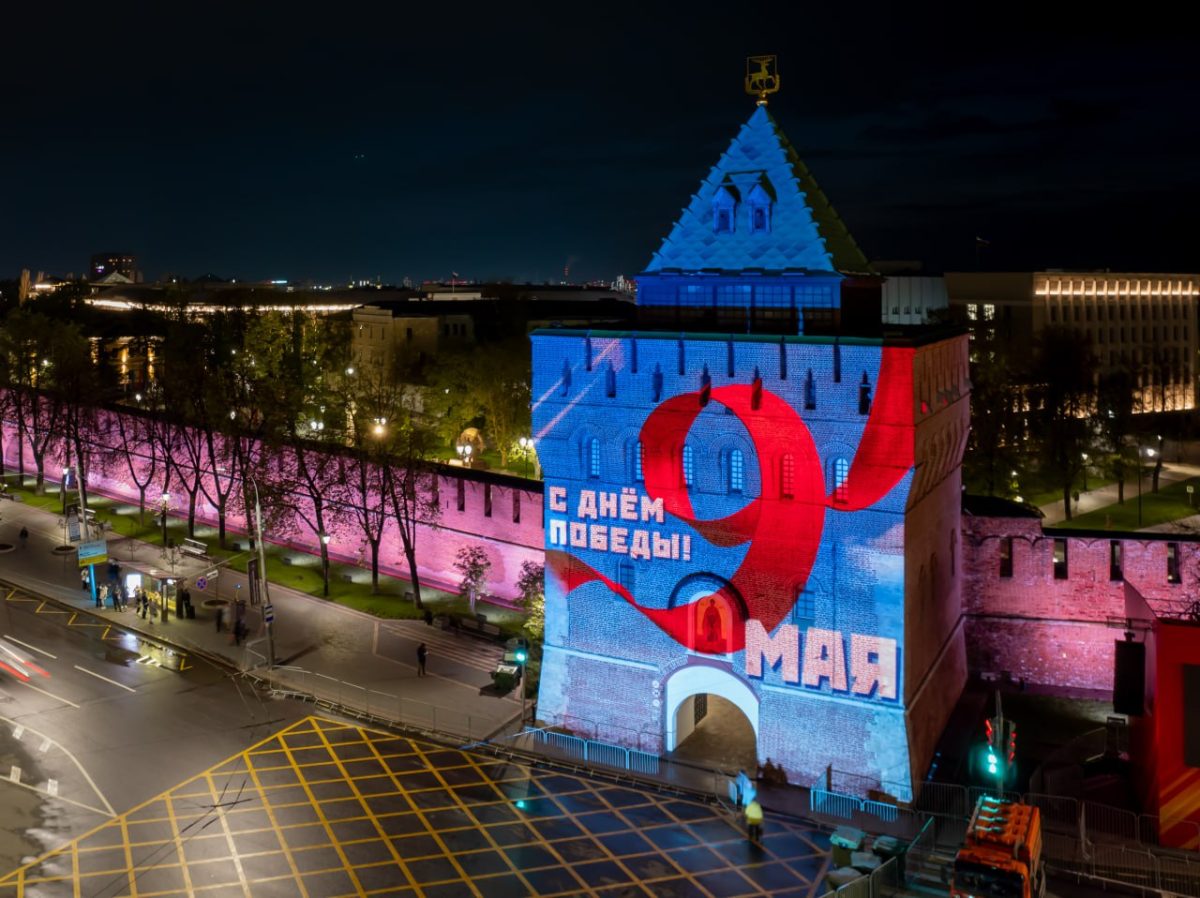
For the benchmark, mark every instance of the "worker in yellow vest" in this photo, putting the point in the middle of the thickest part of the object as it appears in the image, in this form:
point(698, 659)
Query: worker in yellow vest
point(754, 820)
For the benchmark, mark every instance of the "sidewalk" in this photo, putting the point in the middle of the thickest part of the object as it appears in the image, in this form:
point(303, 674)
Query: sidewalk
point(322, 649)
point(1104, 496)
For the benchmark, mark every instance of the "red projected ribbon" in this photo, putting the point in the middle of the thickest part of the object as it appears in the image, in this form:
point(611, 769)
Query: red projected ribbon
point(784, 534)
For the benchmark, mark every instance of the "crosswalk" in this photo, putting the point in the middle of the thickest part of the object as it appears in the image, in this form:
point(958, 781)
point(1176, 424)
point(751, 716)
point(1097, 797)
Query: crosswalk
point(399, 640)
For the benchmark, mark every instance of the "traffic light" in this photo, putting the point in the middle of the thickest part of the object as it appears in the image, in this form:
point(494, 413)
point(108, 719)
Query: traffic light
point(994, 730)
point(1011, 742)
point(521, 655)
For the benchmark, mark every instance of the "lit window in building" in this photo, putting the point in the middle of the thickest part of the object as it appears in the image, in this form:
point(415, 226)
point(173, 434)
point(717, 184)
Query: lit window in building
point(737, 471)
point(989, 312)
point(787, 476)
point(689, 465)
point(841, 473)
point(1173, 563)
point(594, 458)
point(638, 474)
point(1060, 559)
point(1006, 558)
point(972, 312)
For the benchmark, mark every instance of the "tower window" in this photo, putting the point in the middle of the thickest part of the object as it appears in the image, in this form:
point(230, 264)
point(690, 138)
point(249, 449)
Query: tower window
point(1115, 570)
point(1006, 561)
point(689, 465)
point(1173, 563)
point(810, 392)
point(593, 458)
point(737, 471)
point(487, 500)
point(1060, 559)
point(841, 473)
point(638, 474)
point(804, 612)
point(758, 220)
point(724, 222)
point(787, 476)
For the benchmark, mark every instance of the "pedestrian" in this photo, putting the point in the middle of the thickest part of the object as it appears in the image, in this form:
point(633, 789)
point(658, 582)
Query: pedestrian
point(101, 595)
point(24, 536)
point(754, 821)
point(239, 631)
point(143, 602)
point(741, 788)
point(422, 654)
point(84, 580)
point(428, 618)
point(220, 619)
point(114, 593)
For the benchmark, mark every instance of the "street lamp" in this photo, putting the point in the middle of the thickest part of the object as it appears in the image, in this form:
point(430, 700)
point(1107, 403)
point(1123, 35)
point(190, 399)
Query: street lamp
point(1085, 461)
point(163, 504)
point(62, 489)
point(464, 451)
point(325, 561)
point(526, 444)
point(1149, 453)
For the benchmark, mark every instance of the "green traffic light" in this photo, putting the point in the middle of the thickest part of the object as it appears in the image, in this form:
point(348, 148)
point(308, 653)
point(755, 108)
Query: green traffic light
point(520, 656)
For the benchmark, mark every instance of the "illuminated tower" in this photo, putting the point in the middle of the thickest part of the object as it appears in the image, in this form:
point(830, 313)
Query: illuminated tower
point(752, 500)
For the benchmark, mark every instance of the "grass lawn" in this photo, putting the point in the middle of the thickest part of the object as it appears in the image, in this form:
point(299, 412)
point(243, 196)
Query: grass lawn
point(348, 585)
point(1170, 503)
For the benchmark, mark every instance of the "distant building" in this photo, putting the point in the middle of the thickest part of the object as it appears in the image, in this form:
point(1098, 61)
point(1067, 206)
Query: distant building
point(1143, 323)
point(105, 265)
point(407, 333)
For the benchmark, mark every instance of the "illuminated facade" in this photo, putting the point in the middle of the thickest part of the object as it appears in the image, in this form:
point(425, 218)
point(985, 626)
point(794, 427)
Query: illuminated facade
point(769, 519)
point(1145, 324)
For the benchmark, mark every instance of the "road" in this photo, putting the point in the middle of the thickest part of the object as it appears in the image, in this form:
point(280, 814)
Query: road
point(104, 731)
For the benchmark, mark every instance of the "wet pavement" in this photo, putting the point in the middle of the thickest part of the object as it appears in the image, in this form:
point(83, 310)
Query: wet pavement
point(325, 809)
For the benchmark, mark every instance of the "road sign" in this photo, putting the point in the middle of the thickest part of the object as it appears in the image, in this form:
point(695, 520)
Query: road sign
point(201, 583)
point(1191, 489)
point(212, 575)
point(95, 552)
point(268, 612)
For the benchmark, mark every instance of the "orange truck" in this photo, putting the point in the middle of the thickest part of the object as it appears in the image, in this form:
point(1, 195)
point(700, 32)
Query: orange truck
point(1001, 856)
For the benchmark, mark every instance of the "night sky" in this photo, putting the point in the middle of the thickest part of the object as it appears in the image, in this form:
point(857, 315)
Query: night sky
point(254, 141)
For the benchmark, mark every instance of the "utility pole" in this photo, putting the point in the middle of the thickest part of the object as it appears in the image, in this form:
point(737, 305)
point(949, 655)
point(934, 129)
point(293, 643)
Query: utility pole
point(268, 608)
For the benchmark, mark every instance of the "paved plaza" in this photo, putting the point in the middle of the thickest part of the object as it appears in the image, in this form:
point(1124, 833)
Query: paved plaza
point(324, 809)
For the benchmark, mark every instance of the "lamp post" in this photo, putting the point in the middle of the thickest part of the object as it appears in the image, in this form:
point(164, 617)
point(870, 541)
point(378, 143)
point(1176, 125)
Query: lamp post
point(62, 489)
point(1085, 461)
point(163, 504)
point(325, 561)
point(526, 445)
point(262, 578)
point(464, 451)
point(1149, 453)
point(522, 656)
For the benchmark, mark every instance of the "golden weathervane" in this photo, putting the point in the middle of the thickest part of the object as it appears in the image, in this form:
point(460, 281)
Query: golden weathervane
point(762, 77)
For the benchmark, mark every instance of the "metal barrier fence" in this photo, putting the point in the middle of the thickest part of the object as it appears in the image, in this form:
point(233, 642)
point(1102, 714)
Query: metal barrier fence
point(880, 883)
point(364, 702)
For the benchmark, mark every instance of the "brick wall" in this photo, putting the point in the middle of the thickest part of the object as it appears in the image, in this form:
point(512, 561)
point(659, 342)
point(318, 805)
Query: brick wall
point(1057, 632)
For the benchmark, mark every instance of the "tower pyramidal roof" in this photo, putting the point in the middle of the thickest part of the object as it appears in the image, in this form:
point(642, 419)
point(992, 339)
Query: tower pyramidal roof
point(804, 233)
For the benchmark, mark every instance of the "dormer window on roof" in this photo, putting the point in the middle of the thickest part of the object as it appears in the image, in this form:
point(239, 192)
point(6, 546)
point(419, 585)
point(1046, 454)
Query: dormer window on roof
point(760, 201)
point(724, 206)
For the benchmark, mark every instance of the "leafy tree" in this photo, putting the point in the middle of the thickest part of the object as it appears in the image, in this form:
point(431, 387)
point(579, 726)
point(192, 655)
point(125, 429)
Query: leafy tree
point(995, 426)
point(487, 385)
point(1116, 404)
point(474, 565)
point(531, 589)
point(1063, 397)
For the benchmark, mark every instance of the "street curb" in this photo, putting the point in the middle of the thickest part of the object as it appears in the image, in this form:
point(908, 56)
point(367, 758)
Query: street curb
point(218, 661)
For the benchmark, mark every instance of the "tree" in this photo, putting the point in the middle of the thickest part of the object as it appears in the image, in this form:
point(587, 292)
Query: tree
point(1115, 406)
point(488, 386)
point(531, 589)
point(412, 488)
point(1063, 396)
point(995, 427)
point(474, 565)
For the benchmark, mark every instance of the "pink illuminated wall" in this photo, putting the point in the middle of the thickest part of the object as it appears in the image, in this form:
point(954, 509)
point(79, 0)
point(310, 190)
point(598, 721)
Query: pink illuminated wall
point(508, 542)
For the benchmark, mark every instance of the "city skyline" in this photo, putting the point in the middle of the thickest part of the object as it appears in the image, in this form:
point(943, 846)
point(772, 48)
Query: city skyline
point(415, 145)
